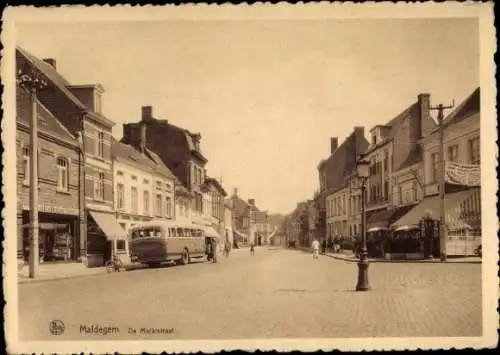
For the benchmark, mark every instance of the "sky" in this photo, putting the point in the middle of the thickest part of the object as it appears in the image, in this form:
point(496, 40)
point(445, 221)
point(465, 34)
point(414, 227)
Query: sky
point(265, 94)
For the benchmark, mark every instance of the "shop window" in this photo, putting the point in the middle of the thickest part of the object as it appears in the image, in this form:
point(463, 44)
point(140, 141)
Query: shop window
point(120, 245)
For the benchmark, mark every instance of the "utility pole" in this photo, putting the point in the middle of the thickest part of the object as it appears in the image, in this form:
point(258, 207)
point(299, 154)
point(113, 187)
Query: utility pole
point(32, 82)
point(443, 231)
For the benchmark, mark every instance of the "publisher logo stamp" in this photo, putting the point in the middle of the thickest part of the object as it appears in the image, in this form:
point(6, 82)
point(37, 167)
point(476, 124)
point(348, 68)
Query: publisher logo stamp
point(56, 327)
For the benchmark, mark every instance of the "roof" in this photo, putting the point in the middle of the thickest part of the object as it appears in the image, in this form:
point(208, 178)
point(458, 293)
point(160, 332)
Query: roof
point(392, 126)
point(61, 83)
point(47, 122)
point(471, 105)
point(413, 158)
point(343, 161)
point(216, 184)
point(239, 205)
point(128, 153)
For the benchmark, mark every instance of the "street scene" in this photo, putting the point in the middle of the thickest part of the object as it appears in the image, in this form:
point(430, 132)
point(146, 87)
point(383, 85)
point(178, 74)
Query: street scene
point(228, 300)
point(262, 178)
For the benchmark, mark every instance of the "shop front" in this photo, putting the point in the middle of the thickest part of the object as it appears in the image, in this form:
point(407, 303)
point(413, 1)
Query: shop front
point(462, 223)
point(105, 238)
point(58, 237)
point(380, 237)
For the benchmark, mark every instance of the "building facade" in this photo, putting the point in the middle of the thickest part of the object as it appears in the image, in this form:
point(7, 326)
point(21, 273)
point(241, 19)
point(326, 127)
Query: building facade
point(144, 190)
point(59, 162)
point(180, 151)
point(79, 109)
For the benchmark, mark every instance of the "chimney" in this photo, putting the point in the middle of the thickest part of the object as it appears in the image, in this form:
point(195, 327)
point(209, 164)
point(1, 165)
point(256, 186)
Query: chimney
point(142, 142)
point(416, 131)
point(51, 62)
point(235, 192)
point(147, 113)
point(334, 142)
point(251, 201)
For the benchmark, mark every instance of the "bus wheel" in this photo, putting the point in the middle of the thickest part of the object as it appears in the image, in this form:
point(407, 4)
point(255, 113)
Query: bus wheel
point(185, 257)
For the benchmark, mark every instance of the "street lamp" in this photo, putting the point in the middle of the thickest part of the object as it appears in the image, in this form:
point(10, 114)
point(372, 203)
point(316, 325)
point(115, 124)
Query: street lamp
point(32, 82)
point(363, 170)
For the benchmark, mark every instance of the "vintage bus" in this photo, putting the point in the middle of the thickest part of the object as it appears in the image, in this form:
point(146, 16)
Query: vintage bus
point(152, 243)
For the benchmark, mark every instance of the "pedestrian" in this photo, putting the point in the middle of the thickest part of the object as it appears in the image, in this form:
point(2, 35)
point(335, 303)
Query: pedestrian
point(214, 249)
point(227, 248)
point(315, 248)
point(252, 249)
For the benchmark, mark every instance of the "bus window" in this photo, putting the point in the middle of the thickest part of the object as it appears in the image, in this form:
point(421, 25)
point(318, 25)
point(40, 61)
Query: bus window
point(180, 232)
point(172, 232)
point(187, 232)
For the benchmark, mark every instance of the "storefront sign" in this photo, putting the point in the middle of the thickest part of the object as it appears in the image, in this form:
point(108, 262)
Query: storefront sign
point(463, 174)
point(54, 209)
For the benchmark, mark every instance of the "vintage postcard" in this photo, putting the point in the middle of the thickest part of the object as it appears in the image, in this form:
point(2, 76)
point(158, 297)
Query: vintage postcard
point(254, 177)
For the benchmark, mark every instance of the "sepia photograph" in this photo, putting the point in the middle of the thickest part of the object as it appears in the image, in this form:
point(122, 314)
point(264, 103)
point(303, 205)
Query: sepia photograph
point(273, 177)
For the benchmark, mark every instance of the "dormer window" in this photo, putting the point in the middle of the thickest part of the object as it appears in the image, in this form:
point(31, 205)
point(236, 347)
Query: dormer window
point(374, 138)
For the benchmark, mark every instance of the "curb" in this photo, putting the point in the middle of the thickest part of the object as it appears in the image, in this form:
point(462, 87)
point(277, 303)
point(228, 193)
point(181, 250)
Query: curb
point(355, 260)
point(404, 261)
point(23, 281)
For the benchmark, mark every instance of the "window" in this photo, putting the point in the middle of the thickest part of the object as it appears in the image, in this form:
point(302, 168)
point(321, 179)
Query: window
point(158, 185)
point(168, 207)
point(400, 194)
point(415, 191)
point(386, 160)
point(120, 197)
point(145, 181)
point(120, 245)
point(435, 166)
point(453, 153)
point(386, 190)
point(133, 193)
point(158, 205)
point(146, 202)
point(62, 173)
point(119, 173)
point(134, 177)
point(474, 151)
point(99, 187)
point(374, 139)
point(26, 165)
point(100, 144)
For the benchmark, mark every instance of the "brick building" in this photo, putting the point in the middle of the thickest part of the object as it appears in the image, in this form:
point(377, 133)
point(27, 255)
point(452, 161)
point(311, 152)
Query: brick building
point(78, 108)
point(342, 197)
point(461, 129)
point(394, 146)
point(180, 151)
point(59, 163)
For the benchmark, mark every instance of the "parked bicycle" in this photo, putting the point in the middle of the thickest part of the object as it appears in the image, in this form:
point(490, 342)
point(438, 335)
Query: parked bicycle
point(114, 264)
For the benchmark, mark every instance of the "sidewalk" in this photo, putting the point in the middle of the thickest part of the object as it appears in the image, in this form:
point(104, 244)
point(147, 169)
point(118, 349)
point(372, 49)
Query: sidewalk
point(352, 258)
point(48, 272)
point(61, 271)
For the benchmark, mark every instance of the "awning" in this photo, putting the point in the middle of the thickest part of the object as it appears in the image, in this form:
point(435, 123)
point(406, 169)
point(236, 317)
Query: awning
point(211, 233)
point(109, 225)
point(381, 220)
point(453, 210)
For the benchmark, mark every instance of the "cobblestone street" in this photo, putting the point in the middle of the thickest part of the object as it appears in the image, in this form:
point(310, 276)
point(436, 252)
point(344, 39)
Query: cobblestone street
point(276, 293)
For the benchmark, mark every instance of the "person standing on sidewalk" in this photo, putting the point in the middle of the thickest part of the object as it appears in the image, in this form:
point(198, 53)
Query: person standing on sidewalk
point(252, 249)
point(315, 248)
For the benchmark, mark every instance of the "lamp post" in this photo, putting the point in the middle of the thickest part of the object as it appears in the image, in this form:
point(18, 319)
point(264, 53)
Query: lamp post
point(32, 82)
point(363, 167)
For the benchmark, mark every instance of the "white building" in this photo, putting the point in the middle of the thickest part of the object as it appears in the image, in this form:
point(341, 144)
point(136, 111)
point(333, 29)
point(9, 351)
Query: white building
point(143, 188)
